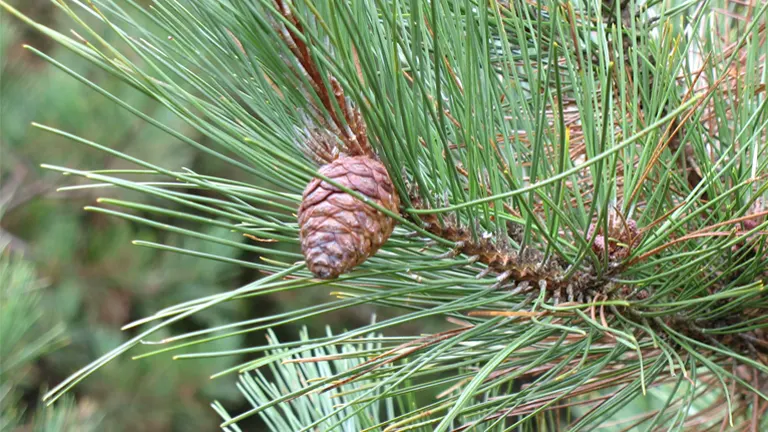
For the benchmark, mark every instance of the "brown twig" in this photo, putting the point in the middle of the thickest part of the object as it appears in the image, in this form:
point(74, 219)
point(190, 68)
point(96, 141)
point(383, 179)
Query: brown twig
point(349, 124)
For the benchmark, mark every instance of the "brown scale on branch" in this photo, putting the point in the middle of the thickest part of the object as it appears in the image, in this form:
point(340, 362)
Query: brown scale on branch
point(527, 268)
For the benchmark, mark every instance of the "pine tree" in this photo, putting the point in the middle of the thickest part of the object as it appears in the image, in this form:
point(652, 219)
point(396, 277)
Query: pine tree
point(578, 189)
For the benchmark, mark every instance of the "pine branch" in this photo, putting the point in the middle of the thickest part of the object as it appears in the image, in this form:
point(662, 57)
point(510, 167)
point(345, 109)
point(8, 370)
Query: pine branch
point(524, 140)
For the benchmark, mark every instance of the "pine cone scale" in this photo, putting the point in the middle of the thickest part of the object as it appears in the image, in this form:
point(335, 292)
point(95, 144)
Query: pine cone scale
point(364, 185)
point(314, 194)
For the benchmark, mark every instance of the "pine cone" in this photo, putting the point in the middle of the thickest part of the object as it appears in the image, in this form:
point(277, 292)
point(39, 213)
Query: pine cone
point(338, 231)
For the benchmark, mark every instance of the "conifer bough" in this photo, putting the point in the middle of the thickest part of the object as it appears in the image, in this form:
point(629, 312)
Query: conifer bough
point(540, 152)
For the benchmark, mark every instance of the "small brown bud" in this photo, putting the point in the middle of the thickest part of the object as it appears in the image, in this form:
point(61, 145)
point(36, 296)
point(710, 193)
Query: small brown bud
point(622, 235)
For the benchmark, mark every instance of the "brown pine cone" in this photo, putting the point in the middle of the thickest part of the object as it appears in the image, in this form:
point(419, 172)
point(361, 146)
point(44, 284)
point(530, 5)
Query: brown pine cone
point(338, 231)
